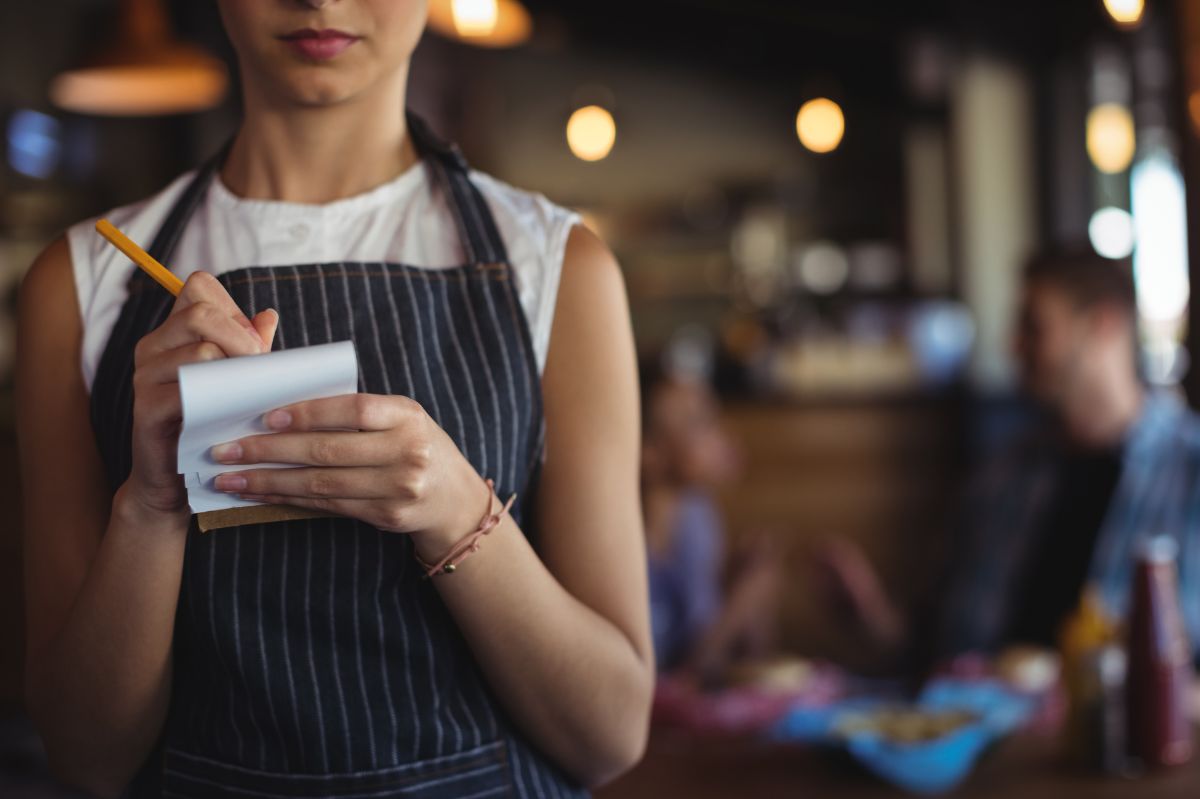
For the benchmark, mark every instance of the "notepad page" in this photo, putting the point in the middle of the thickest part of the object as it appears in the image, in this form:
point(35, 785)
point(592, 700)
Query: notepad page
point(225, 400)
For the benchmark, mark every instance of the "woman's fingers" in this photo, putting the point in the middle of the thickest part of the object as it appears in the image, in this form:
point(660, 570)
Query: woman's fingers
point(381, 515)
point(290, 485)
point(345, 412)
point(199, 321)
point(204, 311)
point(265, 323)
point(365, 510)
point(309, 449)
point(156, 408)
point(164, 368)
point(204, 287)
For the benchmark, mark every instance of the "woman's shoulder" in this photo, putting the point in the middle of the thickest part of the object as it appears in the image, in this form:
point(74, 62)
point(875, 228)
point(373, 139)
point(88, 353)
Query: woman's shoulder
point(527, 213)
point(535, 232)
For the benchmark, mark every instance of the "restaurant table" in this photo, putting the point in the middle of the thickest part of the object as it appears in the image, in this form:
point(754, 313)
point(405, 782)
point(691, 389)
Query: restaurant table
point(1025, 766)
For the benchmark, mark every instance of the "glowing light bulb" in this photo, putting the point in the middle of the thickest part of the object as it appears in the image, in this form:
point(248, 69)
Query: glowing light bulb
point(1126, 13)
point(475, 17)
point(820, 125)
point(591, 133)
point(1110, 138)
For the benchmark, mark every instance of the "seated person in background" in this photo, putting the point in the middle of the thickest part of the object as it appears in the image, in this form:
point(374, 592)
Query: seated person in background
point(1113, 463)
point(685, 454)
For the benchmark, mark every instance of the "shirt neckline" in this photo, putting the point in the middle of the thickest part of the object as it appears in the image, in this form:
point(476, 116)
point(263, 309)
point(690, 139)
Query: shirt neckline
point(368, 200)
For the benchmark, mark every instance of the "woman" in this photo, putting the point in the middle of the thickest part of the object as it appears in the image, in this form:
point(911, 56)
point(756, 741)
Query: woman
point(312, 657)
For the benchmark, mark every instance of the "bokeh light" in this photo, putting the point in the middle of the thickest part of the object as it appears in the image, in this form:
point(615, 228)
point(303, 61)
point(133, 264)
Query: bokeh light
point(1110, 137)
point(1111, 233)
point(482, 23)
point(1194, 110)
point(822, 268)
point(34, 143)
point(1160, 264)
point(820, 125)
point(1126, 13)
point(591, 133)
point(475, 17)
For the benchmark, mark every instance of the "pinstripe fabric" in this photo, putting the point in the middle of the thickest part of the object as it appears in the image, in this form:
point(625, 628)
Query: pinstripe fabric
point(310, 658)
point(1158, 493)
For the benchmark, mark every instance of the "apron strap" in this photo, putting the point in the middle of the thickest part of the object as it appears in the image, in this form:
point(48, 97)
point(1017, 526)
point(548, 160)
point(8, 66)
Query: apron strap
point(481, 241)
point(172, 228)
point(477, 229)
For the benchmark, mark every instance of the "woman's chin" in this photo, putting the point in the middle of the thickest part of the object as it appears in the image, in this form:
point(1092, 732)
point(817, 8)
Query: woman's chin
point(314, 91)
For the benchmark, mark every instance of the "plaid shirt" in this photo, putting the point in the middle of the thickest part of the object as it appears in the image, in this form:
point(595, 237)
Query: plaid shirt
point(1158, 493)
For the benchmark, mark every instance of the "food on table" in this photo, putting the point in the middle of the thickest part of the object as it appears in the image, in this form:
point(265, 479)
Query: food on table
point(904, 724)
point(777, 675)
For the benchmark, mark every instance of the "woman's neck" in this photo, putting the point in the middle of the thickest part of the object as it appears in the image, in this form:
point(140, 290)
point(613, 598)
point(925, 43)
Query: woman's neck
point(308, 154)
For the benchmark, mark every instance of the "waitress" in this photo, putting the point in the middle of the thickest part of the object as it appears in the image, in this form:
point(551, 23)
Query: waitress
point(338, 656)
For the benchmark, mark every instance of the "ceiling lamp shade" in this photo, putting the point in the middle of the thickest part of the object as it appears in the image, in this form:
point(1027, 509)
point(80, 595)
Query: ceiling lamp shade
point(144, 71)
point(1126, 13)
point(484, 23)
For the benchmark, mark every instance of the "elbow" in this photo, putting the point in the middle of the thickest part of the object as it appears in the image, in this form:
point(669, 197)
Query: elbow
point(79, 767)
point(620, 757)
point(90, 780)
point(71, 762)
point(624, 747)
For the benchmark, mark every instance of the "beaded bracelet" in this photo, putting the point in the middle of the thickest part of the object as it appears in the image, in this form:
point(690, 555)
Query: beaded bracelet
point(470, 544)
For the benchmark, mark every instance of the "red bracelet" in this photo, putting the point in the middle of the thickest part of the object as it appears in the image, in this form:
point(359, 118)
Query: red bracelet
point(464, 548)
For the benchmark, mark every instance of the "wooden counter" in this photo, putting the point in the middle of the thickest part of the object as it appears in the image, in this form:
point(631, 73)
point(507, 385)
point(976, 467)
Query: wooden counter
point(1024, 767)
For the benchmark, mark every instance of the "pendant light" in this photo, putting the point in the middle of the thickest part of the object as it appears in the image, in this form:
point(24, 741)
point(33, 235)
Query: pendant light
point(143, 71)
point(484, 23)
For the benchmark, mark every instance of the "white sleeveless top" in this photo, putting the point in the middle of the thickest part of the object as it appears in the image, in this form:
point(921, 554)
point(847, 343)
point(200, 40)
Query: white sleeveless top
point(403, 221)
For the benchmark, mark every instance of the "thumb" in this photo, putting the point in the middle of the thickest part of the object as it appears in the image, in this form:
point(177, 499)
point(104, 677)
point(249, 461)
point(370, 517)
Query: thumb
point(265, 323)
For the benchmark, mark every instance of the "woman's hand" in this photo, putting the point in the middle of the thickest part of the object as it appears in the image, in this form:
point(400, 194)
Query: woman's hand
point(379, 459)
point(205, 325)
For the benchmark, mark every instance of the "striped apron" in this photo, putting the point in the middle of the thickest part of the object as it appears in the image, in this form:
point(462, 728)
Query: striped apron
point(310, 657)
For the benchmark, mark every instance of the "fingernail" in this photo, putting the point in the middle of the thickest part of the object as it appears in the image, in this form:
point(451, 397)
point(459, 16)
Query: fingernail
point(279, 420)
point(230, 482)
point(227, 453)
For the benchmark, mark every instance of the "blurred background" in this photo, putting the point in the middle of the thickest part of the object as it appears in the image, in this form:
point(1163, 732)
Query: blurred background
point(820, 208)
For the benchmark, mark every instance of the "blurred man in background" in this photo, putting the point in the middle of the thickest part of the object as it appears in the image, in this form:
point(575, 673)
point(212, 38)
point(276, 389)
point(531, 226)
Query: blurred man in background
point(1066, 505)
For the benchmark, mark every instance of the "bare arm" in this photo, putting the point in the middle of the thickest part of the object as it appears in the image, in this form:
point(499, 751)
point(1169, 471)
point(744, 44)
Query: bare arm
point(566, 641)
point(101, 573)
point(563, 639)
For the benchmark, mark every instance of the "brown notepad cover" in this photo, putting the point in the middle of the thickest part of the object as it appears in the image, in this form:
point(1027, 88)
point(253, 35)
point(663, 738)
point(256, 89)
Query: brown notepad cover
point(256, 514)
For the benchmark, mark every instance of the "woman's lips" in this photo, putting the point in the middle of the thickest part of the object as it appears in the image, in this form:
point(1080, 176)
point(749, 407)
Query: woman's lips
point(319, 45)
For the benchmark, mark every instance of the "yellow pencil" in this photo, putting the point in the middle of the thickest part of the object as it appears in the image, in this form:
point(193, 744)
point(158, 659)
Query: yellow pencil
point(140, 257)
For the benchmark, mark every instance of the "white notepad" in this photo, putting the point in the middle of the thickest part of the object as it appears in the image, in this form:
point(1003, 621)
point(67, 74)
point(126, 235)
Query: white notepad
point(226, 400)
